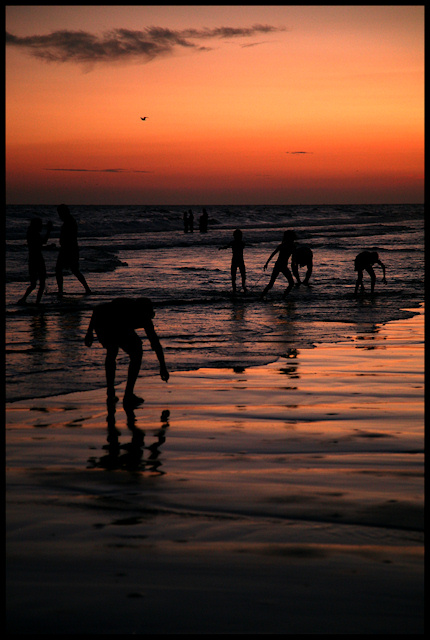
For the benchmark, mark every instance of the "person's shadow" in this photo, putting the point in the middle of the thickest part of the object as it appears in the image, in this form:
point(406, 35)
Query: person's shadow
point(130, 456)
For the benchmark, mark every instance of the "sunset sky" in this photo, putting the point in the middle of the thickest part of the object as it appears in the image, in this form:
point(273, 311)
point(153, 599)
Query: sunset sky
point(244, 104)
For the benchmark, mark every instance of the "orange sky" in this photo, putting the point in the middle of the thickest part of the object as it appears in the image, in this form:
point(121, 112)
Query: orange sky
point(325, 105)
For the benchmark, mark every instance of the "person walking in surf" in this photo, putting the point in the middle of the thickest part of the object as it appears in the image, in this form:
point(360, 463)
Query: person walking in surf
point(36, 261)
point(237, 261)
point(68, 257)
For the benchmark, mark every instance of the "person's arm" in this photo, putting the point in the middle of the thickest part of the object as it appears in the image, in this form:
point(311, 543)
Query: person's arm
point(309, 272)
point(156, 346)
point(383, 269)
point(275, 252)
point(89, 335)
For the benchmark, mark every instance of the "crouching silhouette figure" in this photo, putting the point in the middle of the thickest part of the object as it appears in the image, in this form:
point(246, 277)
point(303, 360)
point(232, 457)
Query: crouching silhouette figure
point(114, 324)
point(364, 262)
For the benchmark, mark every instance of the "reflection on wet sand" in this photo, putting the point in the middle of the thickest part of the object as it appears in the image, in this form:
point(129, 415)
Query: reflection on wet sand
point(130, 456)
point(290, 369)
point(369, 336)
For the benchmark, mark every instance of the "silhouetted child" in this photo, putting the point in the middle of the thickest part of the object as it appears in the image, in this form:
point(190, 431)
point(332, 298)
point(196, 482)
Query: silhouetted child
point(364, 262)
point(285, 249)
point(36, 261)
point(237, 262)
point(115, 323)
point(302, 257)
point(68, 256)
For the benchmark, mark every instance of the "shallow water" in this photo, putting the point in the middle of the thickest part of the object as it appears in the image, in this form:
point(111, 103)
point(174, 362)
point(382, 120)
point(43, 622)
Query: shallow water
point(135, 251)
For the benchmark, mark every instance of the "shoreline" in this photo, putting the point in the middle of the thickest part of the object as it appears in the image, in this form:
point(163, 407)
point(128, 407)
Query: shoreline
point(306, 335)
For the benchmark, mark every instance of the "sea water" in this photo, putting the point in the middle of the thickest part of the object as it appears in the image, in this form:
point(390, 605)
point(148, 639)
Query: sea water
point(143, 251)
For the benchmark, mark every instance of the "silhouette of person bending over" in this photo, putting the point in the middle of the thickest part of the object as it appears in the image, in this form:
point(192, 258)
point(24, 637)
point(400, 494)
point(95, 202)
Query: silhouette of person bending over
point(364, 262)
point(285, 249)
point(302, 257)
point(237, 262)
point(68, 256)
point(36, 261)
point(114, 324)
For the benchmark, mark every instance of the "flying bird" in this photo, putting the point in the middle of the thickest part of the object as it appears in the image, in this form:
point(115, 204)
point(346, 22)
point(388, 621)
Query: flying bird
point(144, 118)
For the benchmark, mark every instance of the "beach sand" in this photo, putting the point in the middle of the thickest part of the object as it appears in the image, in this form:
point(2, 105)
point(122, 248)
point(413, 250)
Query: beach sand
point(278, 499)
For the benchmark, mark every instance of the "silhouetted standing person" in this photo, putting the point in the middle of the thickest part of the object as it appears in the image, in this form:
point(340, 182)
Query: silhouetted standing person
point(285, 249)
point(68, 256)
point(186, 222)
point(191, 221)
point(203, 222)
point(237, 262)
point(364, 262)
point(36, 261)
point(302, 257)
point(115, 323)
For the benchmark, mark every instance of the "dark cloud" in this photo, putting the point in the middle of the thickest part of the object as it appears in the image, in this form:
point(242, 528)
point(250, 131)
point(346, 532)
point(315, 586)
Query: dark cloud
point(102, 170)
point(231, 32)
point(298, 152)
point(125, 44)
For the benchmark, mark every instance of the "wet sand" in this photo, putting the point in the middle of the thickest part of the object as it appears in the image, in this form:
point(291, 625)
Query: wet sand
point(281, 499)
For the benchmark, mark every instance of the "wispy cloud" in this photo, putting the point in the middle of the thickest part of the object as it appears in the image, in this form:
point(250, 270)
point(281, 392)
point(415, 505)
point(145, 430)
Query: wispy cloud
point(101, 170)
point(253, 44)
point(125, 44)
point(298, 152)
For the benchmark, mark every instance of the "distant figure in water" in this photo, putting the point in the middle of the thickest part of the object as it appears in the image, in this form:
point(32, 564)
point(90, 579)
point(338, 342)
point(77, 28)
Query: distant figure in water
point(115, 323)
point(36, 261)
point(68, 257)
point(302, 257)
point(364, 262)
point(203, 222)
point(237, 262)
point(191, 221)
point(285, 249)
point(186, 223)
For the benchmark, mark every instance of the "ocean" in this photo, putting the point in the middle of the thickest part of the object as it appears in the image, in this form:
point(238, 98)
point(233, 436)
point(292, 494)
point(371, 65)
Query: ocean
point(144, 251)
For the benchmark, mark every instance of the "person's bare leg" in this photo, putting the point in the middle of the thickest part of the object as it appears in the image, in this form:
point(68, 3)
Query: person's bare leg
point(59, 278)
point(81, 278)
point(110, 367)
point(359, 282)
point(290, 279)
point(29, 289)
point(243, 275)
point(372, 279)
point(133, 372)
point(41, 290)
point(233, 278)
point(272, 280)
